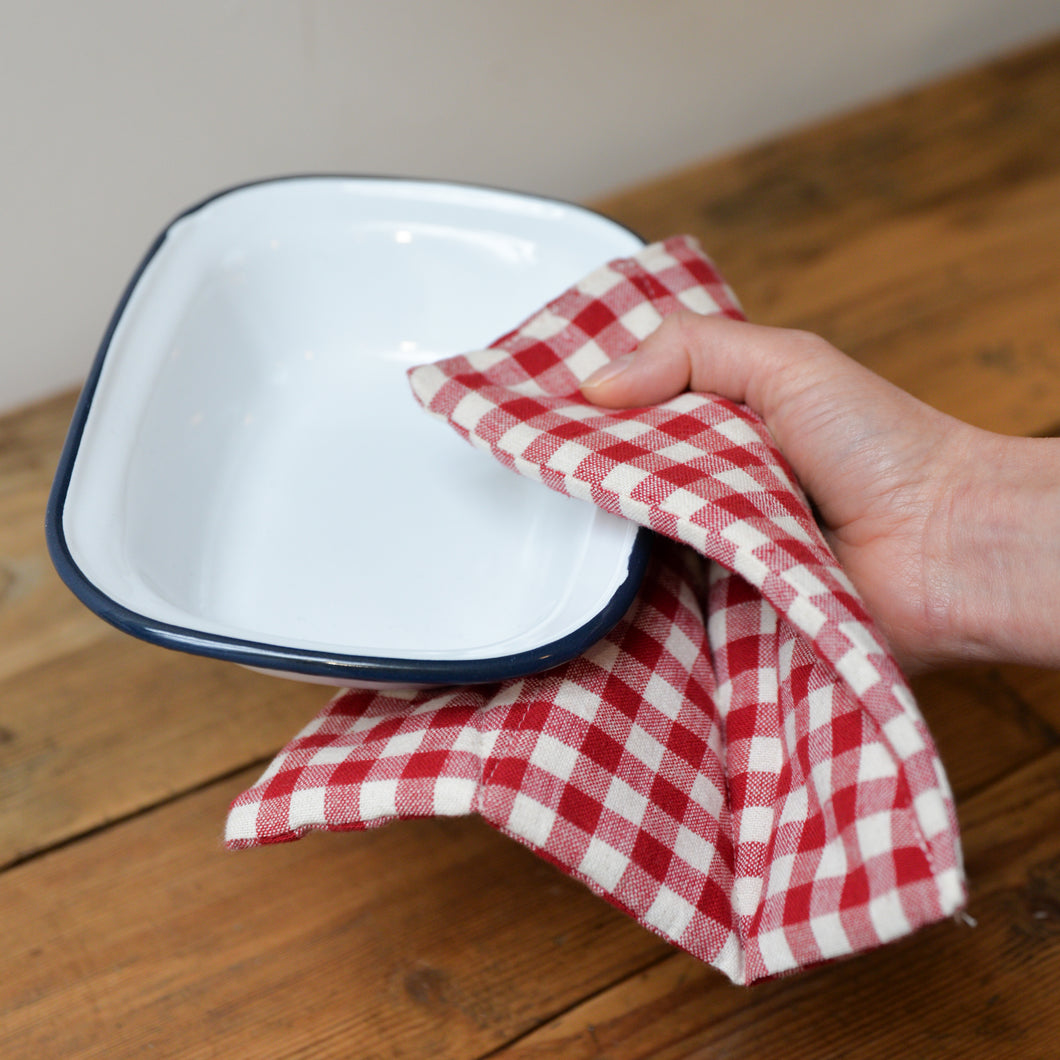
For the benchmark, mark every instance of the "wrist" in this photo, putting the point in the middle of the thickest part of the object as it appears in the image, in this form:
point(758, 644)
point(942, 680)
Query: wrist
point(998, 591)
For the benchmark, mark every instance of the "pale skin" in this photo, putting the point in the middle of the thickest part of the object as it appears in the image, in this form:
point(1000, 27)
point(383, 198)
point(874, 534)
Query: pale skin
point(950, 533)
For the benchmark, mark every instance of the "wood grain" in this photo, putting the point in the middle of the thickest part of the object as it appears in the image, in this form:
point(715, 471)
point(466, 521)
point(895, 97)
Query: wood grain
point(39, 619)
point(920, 235)
point(115, 727)
point(432, 938)
point(1017, 708)
point(954, 990)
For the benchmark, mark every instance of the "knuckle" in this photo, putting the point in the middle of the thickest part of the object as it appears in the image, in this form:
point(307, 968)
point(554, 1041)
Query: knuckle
point(807, 344)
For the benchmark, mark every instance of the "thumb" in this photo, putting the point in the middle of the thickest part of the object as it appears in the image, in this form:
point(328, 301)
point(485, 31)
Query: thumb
point(691, 351)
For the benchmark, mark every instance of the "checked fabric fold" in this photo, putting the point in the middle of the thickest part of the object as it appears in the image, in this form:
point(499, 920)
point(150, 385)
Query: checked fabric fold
point(739, 763)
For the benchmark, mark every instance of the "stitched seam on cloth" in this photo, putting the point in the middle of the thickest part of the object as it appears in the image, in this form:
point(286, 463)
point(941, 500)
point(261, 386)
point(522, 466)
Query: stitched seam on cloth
point(703, 597)
point(506, 739)
point(743, 924)
point(910, 811)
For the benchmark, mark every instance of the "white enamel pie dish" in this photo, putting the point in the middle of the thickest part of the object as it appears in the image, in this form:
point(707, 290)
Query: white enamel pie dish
point(247, 475)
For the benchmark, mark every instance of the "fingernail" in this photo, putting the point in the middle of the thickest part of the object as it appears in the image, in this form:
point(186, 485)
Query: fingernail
point(609, 371)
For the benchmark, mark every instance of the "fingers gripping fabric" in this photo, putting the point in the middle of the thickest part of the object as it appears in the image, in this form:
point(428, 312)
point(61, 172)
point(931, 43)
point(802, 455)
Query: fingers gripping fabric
point(739, 764)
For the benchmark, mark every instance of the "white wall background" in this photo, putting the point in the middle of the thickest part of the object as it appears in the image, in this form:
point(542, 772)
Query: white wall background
point(116, 114)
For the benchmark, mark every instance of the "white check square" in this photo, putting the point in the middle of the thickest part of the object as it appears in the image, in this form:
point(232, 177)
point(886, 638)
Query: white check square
point(641, 320)
point(554, 757)
point(378, 798)
point(602, 864)
point(306, 806)
point(625, 801)
point(829, 935)
point(669, 913)
point(530, 819)
point(598, 283)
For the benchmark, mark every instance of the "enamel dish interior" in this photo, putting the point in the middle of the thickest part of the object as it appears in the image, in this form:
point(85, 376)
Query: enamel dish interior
point(249, 477)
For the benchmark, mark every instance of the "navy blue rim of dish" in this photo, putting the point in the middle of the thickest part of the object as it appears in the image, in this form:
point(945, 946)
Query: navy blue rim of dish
point(299, 660)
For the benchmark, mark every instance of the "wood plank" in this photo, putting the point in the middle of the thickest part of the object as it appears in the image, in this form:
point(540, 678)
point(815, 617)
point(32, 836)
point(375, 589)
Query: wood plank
point(951, 990)
point(936, 310)
point(39, 619)
point(436, 938)
point(101, 733)
point(1039, 689)
point(918, 235)
point(95, 725)
point(1015, 705)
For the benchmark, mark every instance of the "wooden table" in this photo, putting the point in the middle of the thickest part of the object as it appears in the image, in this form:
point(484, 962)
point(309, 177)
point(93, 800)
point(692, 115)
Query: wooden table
point(921, 235)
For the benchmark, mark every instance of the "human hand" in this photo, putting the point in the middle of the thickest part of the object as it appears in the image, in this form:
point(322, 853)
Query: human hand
point(927, 515)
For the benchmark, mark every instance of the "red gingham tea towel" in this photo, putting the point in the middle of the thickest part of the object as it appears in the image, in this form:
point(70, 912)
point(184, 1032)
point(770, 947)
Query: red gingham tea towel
point(739, 763)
